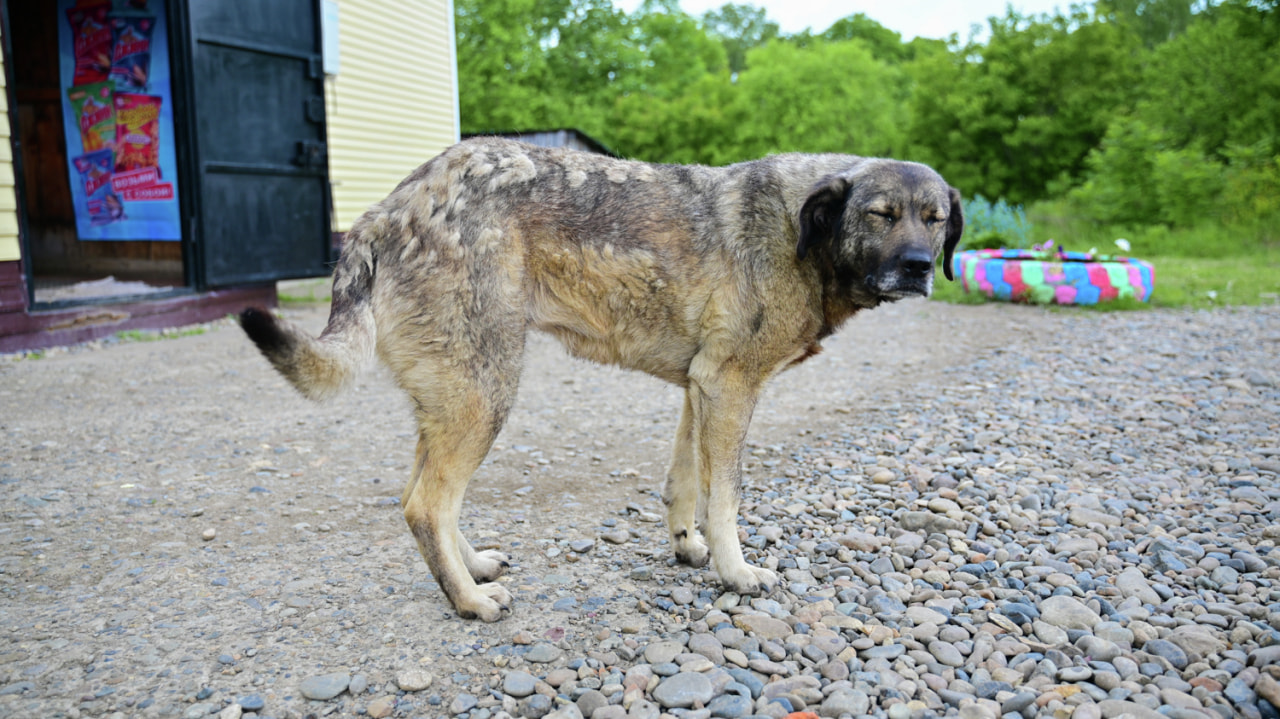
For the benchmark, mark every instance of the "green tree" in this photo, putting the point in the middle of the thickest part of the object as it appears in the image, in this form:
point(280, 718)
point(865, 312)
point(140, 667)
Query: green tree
point(1016, 117)
point(790, 100)
point(740, 28)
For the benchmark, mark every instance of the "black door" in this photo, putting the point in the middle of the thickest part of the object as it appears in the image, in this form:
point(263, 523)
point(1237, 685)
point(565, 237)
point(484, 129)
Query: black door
point(257, 94)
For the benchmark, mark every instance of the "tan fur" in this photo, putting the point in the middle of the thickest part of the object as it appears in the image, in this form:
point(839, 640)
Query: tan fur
point(713, 279)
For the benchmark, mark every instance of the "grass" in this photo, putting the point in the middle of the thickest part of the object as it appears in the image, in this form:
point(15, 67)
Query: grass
point(1213, 264)
point(156, 335)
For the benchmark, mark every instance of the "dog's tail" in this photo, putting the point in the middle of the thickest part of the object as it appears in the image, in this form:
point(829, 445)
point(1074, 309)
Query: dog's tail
point(320, 367)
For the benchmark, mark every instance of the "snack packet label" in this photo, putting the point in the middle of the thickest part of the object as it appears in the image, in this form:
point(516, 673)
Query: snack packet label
point(131, 51)
point(91, 39)
point(137, 131)
point(95, 115)
point(95, 173)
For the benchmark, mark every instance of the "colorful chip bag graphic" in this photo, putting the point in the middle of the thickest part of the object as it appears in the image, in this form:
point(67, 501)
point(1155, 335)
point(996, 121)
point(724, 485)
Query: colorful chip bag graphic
point(131, 52)
point(137, 131)
point(95, 115)
point(91, 40)
point(95, 173)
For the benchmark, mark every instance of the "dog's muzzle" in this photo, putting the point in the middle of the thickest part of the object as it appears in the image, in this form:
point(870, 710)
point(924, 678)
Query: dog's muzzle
point(907, 273)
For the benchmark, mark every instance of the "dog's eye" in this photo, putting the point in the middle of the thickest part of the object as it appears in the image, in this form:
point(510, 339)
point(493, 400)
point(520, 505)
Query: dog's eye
point(886, 216)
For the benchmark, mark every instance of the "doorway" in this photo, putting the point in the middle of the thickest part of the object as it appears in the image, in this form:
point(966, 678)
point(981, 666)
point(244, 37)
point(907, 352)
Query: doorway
point(88, 198)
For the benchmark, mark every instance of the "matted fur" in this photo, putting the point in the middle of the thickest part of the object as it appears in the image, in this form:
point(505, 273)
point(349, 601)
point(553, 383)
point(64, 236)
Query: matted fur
point(714, 279)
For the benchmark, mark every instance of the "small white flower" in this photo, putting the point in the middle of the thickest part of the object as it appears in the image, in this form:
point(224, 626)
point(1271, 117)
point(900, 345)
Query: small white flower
point(1123, 244)
point(1212, 294)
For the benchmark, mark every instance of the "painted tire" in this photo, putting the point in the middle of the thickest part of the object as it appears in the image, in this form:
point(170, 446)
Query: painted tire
point(1075, 278)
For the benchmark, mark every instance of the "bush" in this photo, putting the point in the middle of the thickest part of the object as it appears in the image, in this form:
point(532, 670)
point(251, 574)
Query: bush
point(994, 225)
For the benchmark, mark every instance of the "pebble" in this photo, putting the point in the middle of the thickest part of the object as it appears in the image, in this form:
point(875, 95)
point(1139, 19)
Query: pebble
point(683, 689)
point(414, 680)
point(543, 653)
point(519, 684)
point(1016, 532)
point(325, 686)
point(381, 707)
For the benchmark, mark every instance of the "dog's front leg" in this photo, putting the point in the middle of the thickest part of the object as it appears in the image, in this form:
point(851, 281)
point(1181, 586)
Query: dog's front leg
point(722, 404)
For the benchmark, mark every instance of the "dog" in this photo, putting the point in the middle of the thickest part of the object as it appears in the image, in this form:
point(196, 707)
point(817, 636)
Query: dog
point(714, 279)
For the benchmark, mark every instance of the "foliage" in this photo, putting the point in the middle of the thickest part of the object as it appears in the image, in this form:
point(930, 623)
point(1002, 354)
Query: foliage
point(863, 109)
point(1155, 120)
point(740, 28)
point(994, 225)
point(1010, 117)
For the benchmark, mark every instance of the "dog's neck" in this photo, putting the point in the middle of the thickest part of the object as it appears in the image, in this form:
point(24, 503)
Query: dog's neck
point(842, 292)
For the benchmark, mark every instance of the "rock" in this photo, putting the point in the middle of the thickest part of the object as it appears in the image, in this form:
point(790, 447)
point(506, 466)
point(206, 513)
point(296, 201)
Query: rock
point(683, 689)
point(519, 684)
point(231, 711)
point(1268, 688)
point(1113, 709)
point(619, 536)
point(414, 680)
point(582, 546)
point(463, 702)
point(252, 703)
point(1068, 613)
point(359, 683)
point(325, 686)
point(662, 652)
point(762, 626)
point(1265, 656)
point(590, 701)
point(1168, 650)
point(1082, 517)
point(381, 707)
point(946, 654)
point(845, 701)
point(543, 653)
point(730, 706)
point(1133, 583)
point(1197, 641)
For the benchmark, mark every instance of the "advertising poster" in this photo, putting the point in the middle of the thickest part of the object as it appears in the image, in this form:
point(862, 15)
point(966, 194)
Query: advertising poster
point(117, 112)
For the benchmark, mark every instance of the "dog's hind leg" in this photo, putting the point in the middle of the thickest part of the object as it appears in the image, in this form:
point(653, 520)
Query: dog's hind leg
point(684, 492)
point(460, 411)
point(484, 566)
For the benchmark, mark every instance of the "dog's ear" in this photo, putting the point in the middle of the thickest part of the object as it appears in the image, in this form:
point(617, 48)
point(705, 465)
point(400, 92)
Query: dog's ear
point(955, 228)
point(821, 213)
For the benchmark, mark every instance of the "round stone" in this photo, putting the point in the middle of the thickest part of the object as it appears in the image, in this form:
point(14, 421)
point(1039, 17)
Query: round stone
point(325, 686)
point(683, 689)
point(519, 684)
point(413, 680)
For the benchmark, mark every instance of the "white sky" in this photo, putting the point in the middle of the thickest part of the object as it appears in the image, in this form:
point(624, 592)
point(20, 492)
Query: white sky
point(911, 18)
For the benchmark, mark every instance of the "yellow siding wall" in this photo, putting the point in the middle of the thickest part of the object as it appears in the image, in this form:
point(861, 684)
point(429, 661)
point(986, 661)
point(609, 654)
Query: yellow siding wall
point(393, 104)
point(9, 248)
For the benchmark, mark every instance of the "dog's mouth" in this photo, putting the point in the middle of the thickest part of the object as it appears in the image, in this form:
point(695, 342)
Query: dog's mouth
point(892, 289)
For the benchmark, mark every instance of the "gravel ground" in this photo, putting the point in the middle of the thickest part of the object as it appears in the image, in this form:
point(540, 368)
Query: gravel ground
point(977, 511)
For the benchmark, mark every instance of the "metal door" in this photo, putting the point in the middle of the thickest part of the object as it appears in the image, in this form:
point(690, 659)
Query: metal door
point(259, 118)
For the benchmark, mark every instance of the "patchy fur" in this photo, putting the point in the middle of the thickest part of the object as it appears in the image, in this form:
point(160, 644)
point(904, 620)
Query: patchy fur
point(713, 279)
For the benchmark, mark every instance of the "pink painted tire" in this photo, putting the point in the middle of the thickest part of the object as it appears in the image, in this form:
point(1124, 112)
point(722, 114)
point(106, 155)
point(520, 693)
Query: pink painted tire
point(1064, 278)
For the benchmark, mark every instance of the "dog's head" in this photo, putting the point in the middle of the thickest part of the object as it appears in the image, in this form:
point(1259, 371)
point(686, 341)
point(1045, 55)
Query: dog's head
point(885, 222)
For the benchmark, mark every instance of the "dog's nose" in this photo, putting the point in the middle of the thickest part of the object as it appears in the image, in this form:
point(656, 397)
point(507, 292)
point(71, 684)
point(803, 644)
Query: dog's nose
point(915, 263)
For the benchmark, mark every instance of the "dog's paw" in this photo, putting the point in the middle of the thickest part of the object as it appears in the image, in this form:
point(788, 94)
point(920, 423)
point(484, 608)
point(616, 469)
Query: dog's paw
point(746, 579)
point(488, 565)
point(491, 602)
point(691, 549)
